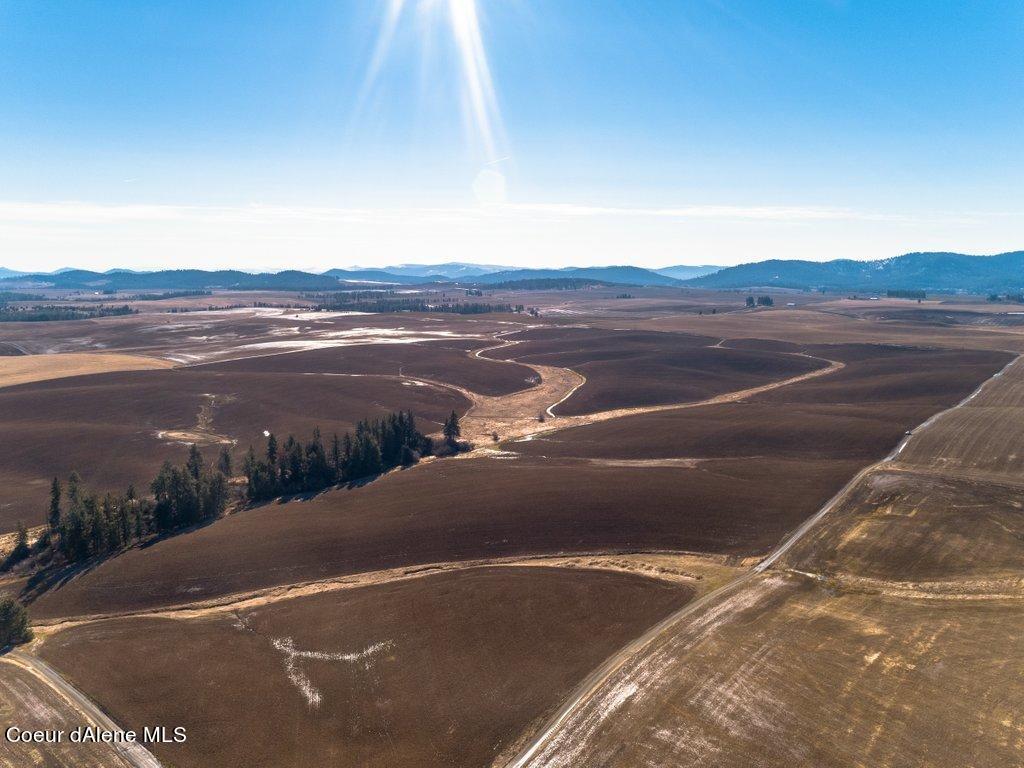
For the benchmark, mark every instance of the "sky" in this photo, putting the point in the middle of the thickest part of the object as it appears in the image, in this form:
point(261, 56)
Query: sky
point(327, 133)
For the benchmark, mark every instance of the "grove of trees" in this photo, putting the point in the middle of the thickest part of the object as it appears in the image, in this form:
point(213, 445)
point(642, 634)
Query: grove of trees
point(83, 524)
point(297, 467)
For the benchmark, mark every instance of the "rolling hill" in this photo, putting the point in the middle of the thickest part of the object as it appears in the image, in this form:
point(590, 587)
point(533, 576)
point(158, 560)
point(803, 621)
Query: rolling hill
point(622, 275)
point(935, 271)
point(685, 272)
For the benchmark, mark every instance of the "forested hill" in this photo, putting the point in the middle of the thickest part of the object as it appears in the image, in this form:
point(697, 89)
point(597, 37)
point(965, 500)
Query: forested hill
point(940, 272)
point(292, 280)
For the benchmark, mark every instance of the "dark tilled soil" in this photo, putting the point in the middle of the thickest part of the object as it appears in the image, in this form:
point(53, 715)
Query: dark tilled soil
point(444, 361)
point(465, 662)
point(105, 426)
point(638, 368)
point(465, 509)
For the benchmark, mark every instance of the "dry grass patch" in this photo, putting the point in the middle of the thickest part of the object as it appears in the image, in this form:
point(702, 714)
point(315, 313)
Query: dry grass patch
point(24, 369)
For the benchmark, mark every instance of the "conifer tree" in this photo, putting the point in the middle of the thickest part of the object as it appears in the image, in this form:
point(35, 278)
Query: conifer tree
point(452, 431)
point(224, 463)
point(14, 628)
point(53, 515)
point(195, 462)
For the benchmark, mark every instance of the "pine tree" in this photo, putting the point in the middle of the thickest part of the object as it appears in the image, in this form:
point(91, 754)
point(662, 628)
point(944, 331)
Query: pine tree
point(272, 449)
point(21, 549)
point(195, 462)
point(21, 539)
point(74, 484)
point(224, 463)
point(336, 454)
point(452, 431)
point(53, 516)
point(14, 628)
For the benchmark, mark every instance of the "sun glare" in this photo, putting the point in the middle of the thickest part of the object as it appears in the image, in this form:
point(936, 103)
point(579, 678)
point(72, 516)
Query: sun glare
point(475, 83)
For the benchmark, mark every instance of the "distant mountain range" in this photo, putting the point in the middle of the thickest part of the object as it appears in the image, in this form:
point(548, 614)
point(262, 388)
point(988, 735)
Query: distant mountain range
point(683, 272)
point(936, 271)
point(333, 279)
point(456, 270)
point(620, 275)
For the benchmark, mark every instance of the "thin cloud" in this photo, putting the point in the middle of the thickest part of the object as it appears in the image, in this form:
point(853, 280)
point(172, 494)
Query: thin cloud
point(73, 212)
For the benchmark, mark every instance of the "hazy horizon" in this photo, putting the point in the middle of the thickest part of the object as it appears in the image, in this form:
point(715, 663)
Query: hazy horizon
point(566, 134)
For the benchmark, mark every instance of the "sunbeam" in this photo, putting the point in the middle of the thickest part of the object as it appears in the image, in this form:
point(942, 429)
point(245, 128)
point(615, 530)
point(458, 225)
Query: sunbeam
point(475, 83)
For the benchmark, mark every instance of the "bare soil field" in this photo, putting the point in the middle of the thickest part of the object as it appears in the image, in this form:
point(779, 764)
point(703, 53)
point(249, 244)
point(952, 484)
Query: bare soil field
point(118, 428)
point(839, 322)
point(734, 430)
point(443, 613)
point(886, 636)
point(196, 337)
point(24, 369)
point(627, 369)
point(459, 510)
point(31, 704)
point(737, 499)
point(444, 670)
point(878, 373)
point(789, 672)
point(948, 510)
point(447, 361)
point(858, 412)
point(922, 529)
point(983, 438)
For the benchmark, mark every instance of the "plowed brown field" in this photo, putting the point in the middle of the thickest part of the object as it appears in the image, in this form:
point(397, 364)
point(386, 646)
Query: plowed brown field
point(625, 369)
point(444, 361)
point(117, 428)
point(442, 670)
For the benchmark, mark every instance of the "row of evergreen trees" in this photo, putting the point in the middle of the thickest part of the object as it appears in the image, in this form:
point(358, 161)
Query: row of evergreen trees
point(84, 525)
point(375, 446)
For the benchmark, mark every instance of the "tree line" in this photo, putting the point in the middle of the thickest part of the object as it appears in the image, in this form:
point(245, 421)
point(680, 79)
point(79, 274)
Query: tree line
point(382, 305)
point(375, 447)
point(82, 524)
point(50, 312)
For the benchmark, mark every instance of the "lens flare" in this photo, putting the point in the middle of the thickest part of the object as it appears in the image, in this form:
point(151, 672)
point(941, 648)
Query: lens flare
point(476, 85)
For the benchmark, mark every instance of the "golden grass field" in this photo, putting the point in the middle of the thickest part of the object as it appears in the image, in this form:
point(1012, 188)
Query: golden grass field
point(25, 369)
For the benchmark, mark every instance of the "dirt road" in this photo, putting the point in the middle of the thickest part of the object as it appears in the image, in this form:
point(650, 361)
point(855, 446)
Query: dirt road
point(133, 755)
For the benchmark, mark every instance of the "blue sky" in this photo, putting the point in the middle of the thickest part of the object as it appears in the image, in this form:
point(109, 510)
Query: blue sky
point(271, 135)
